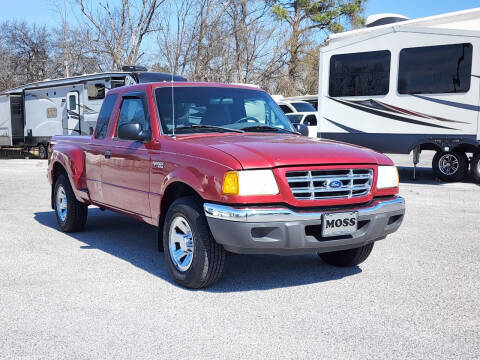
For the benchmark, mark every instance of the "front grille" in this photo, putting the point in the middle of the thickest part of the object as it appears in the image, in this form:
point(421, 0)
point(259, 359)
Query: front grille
point(330, 184)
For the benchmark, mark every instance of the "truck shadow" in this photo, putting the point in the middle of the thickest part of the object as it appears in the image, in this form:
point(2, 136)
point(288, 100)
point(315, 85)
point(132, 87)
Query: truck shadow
point(136, 242)
point(425, 176)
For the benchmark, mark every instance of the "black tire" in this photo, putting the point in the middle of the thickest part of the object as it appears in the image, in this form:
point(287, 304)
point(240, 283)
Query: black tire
point(208, 257)
point(42, 151)
point(475, 166)
point(76, 212)
point(347, 258)
point(443, 162)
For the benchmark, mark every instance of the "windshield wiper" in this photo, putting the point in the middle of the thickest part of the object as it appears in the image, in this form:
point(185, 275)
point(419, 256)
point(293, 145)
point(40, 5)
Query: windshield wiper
point(267, 128)
point(212, 127)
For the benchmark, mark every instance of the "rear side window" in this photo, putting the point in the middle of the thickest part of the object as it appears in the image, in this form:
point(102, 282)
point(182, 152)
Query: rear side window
point(435, 69)
point(133, 111)
point(360, 74)
point(285, 109)
point(303, 107)
point(104, 116)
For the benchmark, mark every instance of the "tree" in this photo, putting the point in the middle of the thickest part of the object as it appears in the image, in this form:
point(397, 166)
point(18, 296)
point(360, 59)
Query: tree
point(26, 51)
point(303, 17)
point(119, 31)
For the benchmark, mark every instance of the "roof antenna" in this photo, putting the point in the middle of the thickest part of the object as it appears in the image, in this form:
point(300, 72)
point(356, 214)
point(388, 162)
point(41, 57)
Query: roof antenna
point(173, 103)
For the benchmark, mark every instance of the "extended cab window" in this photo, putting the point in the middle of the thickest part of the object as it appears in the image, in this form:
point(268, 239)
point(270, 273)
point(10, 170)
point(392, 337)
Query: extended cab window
point(104, 116)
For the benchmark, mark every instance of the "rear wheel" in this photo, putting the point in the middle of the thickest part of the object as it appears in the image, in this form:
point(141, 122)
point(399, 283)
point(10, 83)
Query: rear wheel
point(71, 214)
point(347, 258)
point(450, 166)
point(475, 165)
point(193, 257)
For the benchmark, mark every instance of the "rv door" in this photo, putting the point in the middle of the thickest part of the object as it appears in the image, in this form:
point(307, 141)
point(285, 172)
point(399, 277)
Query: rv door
point(73, 113)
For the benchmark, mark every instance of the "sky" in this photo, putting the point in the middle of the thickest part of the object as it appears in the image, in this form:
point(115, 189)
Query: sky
point(43, 11)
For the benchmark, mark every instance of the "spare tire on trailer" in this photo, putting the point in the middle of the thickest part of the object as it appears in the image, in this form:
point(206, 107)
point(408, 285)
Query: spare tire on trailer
point(475, 166)
point(450, 166)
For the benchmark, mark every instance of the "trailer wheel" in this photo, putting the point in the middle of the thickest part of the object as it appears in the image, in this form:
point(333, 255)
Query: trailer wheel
point(475, 165)
point(42, 151)
point(450, 166)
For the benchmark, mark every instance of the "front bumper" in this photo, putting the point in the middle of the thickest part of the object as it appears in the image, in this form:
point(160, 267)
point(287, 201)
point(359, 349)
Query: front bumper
point(283, 231)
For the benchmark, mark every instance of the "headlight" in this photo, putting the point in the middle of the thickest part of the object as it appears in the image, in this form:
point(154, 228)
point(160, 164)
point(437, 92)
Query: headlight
point(387, 177)
point(250, 182)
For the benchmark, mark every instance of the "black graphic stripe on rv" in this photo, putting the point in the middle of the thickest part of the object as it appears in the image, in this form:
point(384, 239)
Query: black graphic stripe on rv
point(344, 127)
point(449, 103)
point(387, 107)
point(390, 116)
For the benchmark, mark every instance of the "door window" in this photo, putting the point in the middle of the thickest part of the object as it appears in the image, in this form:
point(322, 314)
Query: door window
point(132, 111)
point(310, 120)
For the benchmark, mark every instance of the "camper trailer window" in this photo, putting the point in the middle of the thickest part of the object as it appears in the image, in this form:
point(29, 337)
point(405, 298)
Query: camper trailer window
point(96, 91)
point(360, 74)
point(72, 102)
point(104, 116)
point(435, 69)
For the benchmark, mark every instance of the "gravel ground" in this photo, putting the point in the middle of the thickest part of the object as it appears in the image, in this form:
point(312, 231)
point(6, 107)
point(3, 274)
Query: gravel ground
point(105, 292)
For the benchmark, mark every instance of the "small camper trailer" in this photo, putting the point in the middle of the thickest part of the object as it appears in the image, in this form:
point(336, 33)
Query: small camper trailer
point(402, 85)
point(31, 114)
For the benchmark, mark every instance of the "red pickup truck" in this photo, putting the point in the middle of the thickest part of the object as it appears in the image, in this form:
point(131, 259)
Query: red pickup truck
point(219, 168)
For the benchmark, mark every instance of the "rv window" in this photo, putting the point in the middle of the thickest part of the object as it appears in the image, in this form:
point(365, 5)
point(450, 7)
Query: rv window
point(72, 102)
point(435, 69)
point(360, 74)
point(104, 116)
point(96, 91)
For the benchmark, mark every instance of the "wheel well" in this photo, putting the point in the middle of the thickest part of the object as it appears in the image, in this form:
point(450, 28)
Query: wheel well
point(58, 169)
point(462, 147)
point(172, 192)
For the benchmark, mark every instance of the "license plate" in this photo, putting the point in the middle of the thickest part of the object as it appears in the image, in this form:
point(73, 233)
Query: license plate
point(335, 224)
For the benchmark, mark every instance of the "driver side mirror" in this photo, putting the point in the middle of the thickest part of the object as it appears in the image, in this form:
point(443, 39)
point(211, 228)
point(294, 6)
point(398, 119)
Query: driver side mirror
point(132, 131)
point(302, 129)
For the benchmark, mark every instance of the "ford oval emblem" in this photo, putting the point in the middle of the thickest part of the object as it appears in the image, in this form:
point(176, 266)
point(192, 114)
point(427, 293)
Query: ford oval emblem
point(335, 184)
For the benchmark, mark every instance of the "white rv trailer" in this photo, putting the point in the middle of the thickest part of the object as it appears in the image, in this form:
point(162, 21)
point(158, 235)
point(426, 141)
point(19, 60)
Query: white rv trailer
point(405, 86)
point(31, 114)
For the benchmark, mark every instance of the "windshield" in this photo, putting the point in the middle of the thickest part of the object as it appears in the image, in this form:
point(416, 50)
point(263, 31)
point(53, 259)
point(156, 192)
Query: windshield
point(207, 109)
point(303, 107)
point(294, 118)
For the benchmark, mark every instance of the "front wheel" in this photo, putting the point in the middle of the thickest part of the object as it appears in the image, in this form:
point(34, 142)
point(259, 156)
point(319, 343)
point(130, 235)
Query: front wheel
point(193, 257)
point(475, 165)
point(450, 166)
point(347, 258)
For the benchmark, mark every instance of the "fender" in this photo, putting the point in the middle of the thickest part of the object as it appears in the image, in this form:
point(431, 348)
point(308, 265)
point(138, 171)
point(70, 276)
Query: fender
point(439, 143)
point(71, 157)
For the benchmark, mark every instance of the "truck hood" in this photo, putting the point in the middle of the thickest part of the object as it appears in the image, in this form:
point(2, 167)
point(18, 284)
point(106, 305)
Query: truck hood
point(255, 151)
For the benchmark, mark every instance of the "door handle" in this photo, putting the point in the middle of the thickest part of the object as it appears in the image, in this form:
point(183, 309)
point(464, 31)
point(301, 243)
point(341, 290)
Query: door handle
point(107, 154)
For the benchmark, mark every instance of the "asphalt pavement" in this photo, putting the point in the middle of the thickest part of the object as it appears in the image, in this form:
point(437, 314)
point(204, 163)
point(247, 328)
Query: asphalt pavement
point(105, 293)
